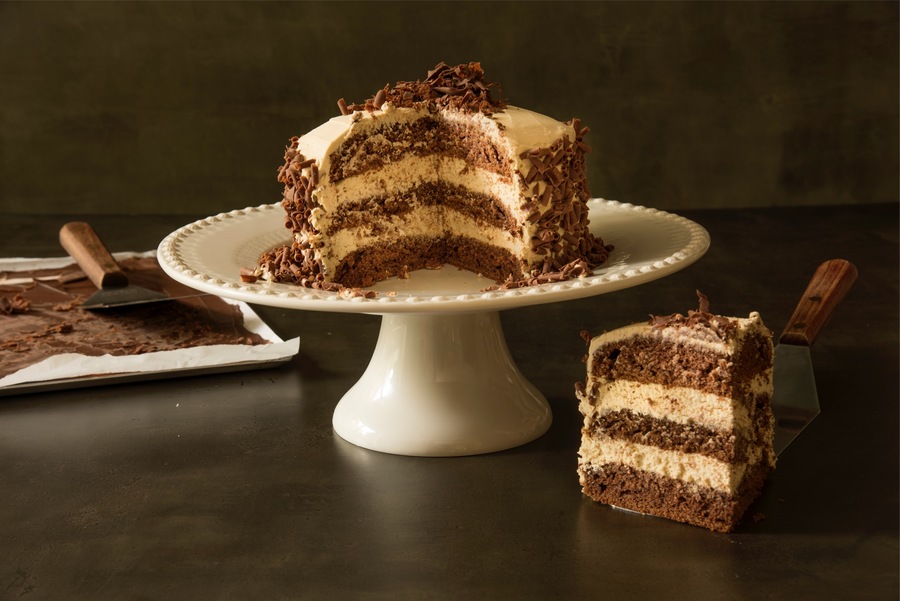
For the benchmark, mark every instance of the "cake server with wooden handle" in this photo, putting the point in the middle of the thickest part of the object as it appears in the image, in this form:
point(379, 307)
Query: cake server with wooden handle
point(795, 400)
point(113, 288)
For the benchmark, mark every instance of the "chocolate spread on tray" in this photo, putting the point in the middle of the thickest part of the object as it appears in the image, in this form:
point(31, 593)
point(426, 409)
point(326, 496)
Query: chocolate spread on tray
point(42, 317)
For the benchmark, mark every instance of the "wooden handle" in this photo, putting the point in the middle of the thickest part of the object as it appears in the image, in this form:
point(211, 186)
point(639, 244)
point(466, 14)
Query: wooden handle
point(828, 286)
point(84, 245)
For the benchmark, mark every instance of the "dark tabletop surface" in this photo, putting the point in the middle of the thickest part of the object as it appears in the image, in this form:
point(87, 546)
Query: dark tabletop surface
point(235, 486)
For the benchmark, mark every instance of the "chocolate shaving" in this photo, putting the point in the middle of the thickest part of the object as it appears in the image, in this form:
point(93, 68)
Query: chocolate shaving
point(717, 326)
point(462, 87)
point(577, 268)
point(15, 305)
point(704, 302)
point(296, 264)
point(379, 99)
point(557, 180)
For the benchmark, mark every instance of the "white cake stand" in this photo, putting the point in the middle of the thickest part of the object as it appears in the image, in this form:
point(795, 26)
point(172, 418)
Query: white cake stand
point(441, 381)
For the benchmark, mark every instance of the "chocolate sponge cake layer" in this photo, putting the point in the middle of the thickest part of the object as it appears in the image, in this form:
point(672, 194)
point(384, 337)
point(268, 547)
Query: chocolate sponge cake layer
point(678, 363)
point(669, 435)
point(381, 261)
point(629, 488)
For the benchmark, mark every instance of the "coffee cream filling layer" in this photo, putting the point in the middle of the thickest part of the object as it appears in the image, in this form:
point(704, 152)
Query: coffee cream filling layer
point(691, 468)
point(687, 406)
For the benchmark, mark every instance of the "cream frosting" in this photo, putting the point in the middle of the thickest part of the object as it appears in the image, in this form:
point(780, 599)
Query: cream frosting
point(686, 406)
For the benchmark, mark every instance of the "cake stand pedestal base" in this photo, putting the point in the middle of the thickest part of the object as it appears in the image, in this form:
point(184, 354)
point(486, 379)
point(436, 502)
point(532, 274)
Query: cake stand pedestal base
point(439, 385)
point(441, 381)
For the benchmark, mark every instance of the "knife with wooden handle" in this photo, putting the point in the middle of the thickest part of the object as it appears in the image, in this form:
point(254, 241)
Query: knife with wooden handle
point(113, 288)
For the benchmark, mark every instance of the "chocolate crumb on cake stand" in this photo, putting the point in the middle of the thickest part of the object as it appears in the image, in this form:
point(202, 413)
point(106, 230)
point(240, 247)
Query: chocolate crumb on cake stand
point(441, 381)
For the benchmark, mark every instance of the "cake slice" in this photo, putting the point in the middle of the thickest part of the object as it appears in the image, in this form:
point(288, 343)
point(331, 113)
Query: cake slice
point(677, 417)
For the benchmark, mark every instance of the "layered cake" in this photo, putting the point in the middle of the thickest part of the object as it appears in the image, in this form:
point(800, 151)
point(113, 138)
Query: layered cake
point(435, 172)
point(677, 417)
point(41, 316)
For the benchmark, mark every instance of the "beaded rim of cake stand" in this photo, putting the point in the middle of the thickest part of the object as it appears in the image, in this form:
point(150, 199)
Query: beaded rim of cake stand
point(178, 252)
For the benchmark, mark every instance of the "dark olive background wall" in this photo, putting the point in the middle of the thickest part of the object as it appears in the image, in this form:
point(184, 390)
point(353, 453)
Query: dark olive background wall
point(185, 107)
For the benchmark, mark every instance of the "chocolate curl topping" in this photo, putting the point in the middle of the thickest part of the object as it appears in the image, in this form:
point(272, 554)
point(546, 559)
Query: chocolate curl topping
point(704, 302)
point(433, 74)
point(295, 264)
point(379, 99)
point(462, 87)
point(17, 304)
point(718, 327)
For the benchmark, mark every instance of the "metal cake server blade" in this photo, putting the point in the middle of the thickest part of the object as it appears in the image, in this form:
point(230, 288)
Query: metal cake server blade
point(113, 288)
point(795, 400)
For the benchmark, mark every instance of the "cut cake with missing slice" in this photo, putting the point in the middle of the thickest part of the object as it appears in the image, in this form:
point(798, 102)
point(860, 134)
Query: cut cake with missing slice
point(677, 417)
point(434, 172)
